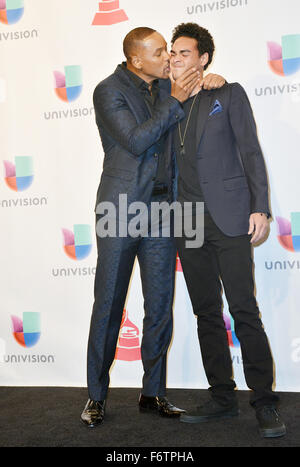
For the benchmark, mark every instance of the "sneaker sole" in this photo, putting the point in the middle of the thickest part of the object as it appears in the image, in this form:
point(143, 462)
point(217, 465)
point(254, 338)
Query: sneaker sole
point(205, 418)
point(273, 433)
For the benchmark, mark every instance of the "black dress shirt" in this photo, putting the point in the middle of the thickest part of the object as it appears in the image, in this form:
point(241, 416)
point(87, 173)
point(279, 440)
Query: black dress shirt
point(150, 97)
point(189, 188)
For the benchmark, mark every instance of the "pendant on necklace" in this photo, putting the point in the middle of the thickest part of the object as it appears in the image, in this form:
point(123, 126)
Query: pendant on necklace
point(182, 150)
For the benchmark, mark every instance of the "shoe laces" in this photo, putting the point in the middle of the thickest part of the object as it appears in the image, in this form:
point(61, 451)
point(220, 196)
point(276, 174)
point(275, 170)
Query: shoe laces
point(163, 401)
point(270, 412)
point(93, 408)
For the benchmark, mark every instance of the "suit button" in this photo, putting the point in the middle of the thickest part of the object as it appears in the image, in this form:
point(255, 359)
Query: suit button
point(156, 155)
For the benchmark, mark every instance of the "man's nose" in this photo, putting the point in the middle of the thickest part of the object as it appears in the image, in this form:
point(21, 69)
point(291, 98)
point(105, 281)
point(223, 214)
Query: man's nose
point(175, 59)
point(167, 55)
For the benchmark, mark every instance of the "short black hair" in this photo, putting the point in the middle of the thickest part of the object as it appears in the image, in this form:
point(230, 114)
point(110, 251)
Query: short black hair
point(204, 39)
point(133, 37)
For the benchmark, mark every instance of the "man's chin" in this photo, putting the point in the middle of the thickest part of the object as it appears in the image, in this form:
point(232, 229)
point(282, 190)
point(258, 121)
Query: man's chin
point(165, 73)
point(177, 74)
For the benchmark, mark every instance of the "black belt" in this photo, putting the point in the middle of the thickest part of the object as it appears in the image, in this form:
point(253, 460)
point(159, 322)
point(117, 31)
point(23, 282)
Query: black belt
point(160, 190)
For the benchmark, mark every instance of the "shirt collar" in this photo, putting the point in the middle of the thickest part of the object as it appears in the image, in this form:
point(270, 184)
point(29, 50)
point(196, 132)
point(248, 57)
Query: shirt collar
point(139, 82)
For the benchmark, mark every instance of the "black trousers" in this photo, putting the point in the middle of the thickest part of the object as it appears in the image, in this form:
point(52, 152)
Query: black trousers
point(228, 261)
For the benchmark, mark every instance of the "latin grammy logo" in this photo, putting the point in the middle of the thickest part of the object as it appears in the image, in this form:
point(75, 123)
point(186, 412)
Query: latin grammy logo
point(178, 264)
point(109, 13)
point(128, 347)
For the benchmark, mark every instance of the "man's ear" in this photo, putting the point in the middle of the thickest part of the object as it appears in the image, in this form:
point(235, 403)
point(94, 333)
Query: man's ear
point(136, 62)
point(204, 59)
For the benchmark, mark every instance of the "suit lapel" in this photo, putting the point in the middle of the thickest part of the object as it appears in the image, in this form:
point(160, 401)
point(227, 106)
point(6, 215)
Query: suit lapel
point(204, 107)
point(139, 107)
point(164, 86)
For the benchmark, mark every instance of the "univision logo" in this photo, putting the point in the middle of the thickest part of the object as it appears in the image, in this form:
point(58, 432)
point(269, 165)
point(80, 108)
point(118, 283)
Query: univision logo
point(208, 7)
point(284, 58)
point(231, 335)
point(68, 85)
point(77, 243)
point(289, 232)
point(27, 331)
point(11, 11)
point(19, 175)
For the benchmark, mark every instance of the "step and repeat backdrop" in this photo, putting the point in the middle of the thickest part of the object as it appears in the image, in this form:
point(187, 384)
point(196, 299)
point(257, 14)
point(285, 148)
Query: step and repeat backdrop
point(52, 55)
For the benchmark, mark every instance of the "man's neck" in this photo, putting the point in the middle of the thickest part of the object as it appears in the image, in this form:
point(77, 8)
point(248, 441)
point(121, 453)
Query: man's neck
point(140, 74)
point(197, 88)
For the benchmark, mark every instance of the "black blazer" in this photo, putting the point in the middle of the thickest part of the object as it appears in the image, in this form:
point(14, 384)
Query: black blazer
point(129, 136)
point(231, 168)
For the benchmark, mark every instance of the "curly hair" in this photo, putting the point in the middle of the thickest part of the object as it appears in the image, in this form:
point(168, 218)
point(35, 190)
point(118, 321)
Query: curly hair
point(204, 39)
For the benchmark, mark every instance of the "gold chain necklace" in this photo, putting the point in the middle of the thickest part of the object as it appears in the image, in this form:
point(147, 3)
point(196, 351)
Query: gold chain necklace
point(182, 139)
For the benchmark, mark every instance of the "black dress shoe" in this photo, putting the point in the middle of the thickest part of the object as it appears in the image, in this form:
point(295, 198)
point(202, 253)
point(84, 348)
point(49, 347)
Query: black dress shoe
point(211, 410)
point(93, 413)
point(270, 424)
point(161, 405)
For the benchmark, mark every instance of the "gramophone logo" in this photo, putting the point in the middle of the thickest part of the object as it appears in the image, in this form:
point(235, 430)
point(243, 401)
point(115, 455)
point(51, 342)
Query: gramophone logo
point(128, 347)
point(11, 11)
point(109, 13)
point(78, 243)
point(68, 85)
point(27, 331)
point(284, 59)
point(178, 264)
point(19, 176)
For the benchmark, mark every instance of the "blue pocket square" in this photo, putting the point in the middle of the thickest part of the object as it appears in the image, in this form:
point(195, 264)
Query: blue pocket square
point(216, 108)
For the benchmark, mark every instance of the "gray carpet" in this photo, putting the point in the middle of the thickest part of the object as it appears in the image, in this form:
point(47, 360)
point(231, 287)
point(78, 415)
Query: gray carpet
point(50, 417)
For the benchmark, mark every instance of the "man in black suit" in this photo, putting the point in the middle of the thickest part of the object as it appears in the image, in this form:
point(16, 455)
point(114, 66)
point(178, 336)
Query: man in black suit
point(135, 107)
point(220, 164)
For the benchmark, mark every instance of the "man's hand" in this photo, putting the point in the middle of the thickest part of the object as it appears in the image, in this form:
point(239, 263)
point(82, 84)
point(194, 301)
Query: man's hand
point(212, 81)
point(183, 86)
point(258, 226)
